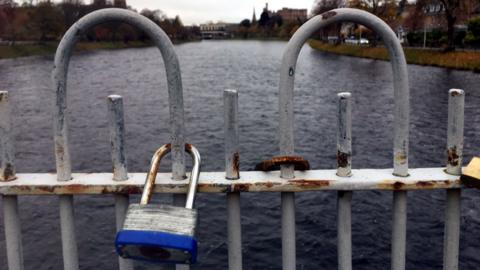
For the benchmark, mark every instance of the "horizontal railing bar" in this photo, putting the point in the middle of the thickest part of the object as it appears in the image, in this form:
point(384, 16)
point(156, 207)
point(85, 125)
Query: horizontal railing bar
point(250, 181)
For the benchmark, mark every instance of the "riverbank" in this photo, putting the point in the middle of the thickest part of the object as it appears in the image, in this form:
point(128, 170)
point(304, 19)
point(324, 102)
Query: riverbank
point(50, 48)
point(465, 60)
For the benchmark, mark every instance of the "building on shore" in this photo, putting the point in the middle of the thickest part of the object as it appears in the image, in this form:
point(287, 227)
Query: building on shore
point(431, 17)
point(286, 14)
point(292, 14)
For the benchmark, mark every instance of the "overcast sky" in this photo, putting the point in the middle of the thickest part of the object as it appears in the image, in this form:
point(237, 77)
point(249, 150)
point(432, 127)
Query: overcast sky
point(201, 11)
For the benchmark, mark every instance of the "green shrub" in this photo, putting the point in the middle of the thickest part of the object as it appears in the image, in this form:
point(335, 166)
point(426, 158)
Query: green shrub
point(473, 34)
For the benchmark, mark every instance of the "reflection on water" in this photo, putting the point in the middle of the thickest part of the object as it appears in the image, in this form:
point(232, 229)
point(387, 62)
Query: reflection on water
point(251, 67)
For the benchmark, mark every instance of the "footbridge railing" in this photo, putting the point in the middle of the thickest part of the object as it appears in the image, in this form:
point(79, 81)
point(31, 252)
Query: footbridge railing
point(287, 180)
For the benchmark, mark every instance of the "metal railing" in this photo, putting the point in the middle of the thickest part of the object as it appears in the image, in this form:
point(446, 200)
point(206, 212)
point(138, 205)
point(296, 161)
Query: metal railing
point(121, 184)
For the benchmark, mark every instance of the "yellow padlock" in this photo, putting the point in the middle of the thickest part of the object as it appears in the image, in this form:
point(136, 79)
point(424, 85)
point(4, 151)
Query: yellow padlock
point(471, 174)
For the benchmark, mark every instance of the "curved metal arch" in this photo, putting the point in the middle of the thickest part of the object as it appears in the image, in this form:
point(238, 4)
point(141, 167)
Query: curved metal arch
point(174, 81)
point(400, 81)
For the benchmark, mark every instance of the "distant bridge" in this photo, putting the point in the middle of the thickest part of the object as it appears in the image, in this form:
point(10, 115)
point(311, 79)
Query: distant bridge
point(215, 34)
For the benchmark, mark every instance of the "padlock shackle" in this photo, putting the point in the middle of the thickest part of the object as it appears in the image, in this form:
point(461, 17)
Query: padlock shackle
point(155, 164)
point(194, 176)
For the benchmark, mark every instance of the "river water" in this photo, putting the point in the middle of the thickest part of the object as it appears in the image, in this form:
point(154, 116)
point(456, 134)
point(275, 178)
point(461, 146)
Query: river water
point(209, 67)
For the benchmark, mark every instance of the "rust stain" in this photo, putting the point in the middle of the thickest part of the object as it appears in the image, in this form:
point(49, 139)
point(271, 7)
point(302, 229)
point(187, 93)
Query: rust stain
point(425, 184)
point(401, 158)
point(60, 150)
point(8, 173)
point(421, 185)
point(328, 15)
point(300, 163)
point(24, 189)
point(398, 185)
point(241, 187)
point(267, 184)
point(342, 159)
point(310, 183)
point(129, 190)
point(452, 156)
point(75, 188)
point(47, 189)
point(214, 188)
point(455, 93)
point(236, 164)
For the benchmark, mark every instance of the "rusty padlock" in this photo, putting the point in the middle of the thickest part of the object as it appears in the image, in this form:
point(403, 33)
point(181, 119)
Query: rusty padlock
point(161, 233)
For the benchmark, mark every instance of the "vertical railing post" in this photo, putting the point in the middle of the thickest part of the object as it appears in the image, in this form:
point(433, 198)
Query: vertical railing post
point(344, 169)
point(117, 137)
point(7, 152)
point(456, 105)
point(13, 231)
point(288, 231)
point(232, 172)
point(67, 226)
point(399, 229)
point(119, 161)
point(344, 135)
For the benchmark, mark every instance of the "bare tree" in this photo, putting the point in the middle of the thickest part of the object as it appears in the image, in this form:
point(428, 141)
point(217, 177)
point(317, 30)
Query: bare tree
point(7, 20)
point(385, 9)
point(322, 6)
point(451, 8)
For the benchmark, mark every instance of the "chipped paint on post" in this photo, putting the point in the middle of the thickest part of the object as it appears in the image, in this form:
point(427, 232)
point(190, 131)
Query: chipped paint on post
point(344, 134)
point(7, 152)
point(451, 241)
point(456, 105)
point(232, 156)
point(232, 172)
point(117, 137)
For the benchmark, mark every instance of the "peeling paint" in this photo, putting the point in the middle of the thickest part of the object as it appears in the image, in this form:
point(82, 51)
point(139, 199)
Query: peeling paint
point(419, 185)
point(398, 185)
point(452, 156)
point(328, 15)
point(455, 93)
point(401, 158)
point(8, 173)
point(310, 183)
point(241, 187)
point(236, 164)
point(300, 163)
point(342, 159)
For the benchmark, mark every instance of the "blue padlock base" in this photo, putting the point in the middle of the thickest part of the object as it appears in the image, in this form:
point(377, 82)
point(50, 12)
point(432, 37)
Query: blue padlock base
point(158, 247)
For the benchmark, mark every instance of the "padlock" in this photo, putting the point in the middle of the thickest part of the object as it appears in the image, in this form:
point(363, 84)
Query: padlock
point(161, 233)
point(471, 174)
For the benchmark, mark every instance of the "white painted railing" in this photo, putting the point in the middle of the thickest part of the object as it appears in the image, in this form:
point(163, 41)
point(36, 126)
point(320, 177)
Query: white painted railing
point(121, 184)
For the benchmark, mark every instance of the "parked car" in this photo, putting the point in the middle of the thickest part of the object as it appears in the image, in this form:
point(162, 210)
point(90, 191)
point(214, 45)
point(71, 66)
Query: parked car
point(361, 41)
